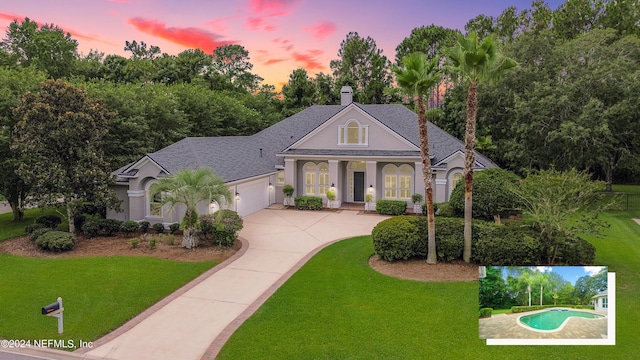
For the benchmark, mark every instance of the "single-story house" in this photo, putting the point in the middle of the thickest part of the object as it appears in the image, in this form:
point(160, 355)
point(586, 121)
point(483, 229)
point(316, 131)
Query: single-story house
point(601, 301)
point(352, 149)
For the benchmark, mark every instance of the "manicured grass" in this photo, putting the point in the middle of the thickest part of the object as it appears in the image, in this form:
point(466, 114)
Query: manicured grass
point(10, 229)
point(99, 294)
point(631, 189)
point(336, 306)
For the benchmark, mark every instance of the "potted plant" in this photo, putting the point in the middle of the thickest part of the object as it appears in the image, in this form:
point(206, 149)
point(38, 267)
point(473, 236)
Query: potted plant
point(368, 199)
point(416, 199)
point(331, 196)
point(288, 191)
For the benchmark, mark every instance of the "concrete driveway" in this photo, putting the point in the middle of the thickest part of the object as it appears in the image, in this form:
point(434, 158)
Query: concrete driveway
point(195, 321)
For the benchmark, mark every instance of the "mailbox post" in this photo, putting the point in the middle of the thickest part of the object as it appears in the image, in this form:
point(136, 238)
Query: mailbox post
point(55, 309)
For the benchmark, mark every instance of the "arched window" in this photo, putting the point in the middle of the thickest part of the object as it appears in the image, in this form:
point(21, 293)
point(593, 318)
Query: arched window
point(154, 204)
point(316, 179)
point(398, 182)
point(353, 133)
point(454, 180)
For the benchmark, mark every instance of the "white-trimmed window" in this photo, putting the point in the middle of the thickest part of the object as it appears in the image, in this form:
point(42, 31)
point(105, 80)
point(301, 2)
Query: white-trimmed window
point(316, 179)
point(155, 205)
point(398, 182)
point(455, 178)
point(280, 178)
point(353, 133)
point(605, 302)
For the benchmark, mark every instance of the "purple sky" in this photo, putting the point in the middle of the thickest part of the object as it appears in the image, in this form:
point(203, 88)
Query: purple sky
point(280, 35)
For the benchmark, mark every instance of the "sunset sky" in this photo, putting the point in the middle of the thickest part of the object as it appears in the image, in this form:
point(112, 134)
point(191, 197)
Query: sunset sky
point(280, 35)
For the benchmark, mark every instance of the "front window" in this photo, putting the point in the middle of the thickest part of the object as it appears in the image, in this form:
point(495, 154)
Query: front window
point(155, 205)
point(280, 178)
point(353, 133)
point(398, 182)
point(316, 178)
point(605, 303)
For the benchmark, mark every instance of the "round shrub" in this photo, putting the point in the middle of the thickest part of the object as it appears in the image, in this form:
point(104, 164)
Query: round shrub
point(50, 221)
point(30, 228)
point(486, 312)
point(91, 228)
point(508, 245)
point(227, 223)
point(173, 228)
point(395, 238)
point(491, 194)
point(576, 252)
point(129, 227)
point(109, 227)
point(56, 241)
point(158, 228)
point(449, 238)
point(35, 234)
point(206, 225)
point(144, 226)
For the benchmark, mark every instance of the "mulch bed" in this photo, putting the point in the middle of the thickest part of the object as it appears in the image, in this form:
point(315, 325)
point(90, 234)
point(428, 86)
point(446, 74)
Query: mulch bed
point(418, 269)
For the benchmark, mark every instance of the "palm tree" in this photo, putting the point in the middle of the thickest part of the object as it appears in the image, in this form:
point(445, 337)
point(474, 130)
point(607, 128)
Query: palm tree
point(190, 187)
point(473, 61)
point(417, 77)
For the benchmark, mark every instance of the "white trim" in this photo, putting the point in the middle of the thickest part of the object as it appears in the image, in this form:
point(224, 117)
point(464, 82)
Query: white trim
point(451, 156)
point(346, 157)
point(343, 133)
point(143, 160)
point(136, 193)
point(243, 180)
point(441, 181)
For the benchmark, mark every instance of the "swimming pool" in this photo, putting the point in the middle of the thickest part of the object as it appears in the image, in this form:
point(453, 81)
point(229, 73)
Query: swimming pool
point(553, 319)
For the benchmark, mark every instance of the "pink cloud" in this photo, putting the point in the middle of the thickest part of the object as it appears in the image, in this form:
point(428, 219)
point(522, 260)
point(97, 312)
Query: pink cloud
point(270, 5)
point(273, 61)
point(189, 37)
point(309, 59)
point(120, 1)
point(322, 30)
point(74, 34)
point(254, 23)
point(219, 25)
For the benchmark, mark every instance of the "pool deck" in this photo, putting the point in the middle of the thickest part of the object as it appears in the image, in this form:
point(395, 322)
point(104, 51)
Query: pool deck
point(505, 326)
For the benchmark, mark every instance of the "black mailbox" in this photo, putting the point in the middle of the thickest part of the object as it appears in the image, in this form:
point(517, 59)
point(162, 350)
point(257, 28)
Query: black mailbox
point(50, 308)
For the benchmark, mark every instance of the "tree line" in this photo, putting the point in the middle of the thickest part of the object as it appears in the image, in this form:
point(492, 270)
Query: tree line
point(572, 102)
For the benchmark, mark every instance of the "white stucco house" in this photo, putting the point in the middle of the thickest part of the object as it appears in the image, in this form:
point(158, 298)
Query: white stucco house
point(601, 301)
point(353, 149)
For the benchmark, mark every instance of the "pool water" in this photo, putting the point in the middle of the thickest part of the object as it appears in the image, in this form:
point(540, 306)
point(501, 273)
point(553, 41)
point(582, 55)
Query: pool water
point(554, 318)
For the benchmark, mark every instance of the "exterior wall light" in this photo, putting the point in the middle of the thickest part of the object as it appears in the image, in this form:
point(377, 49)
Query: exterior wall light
point(370, 188)
point(237, 195)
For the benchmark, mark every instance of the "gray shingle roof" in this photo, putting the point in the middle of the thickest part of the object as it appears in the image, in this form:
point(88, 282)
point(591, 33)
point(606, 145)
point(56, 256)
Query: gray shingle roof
point(239, 157)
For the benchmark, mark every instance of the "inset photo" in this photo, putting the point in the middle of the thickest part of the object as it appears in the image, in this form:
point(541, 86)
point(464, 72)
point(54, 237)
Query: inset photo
point(544, 302)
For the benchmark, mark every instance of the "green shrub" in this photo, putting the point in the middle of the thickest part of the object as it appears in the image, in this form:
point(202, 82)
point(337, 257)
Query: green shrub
point(35, 234)
point(50, 221)
point(173, 228)
point(206, 225)
point(158, 228)
point(308, 202)
point(129, 227)
point(576, 252)
point(226, 225)
point(449, 238)
point(395, 238)
point(491, 194)
point(109, 227)
point(391, 207)
point(144, 226)
point(134, 243)
point(56, 241)
point(486, 312)
point(153, 243)
point(91, 228)
point(288, 190)
point(508, 245)
point(86, 211)
point(445, 210)
point(417, 198)
point(30, 228)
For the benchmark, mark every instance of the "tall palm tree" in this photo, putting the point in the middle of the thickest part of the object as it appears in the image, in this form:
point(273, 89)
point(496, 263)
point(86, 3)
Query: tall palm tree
point(473, 61)
point(190, 187)
point(417, 77)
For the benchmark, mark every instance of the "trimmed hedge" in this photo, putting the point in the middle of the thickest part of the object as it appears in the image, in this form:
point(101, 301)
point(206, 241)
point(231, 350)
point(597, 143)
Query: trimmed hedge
point(519, 309)
point(56, 241)
point(50, 221)
point(158, 228)
point(391, 207)
point(31, 228)
point(308, 202)
point(144, 226)
point(227, 224)
point(35, 234)
point(106, 227)
point(576, 252)
point(395, 238)
point(129, 227)
point(491, 194)
point(174, 227)
point(486, 312)
point(508, 245)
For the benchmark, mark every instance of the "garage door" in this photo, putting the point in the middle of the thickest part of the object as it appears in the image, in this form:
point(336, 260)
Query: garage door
point(254, 196)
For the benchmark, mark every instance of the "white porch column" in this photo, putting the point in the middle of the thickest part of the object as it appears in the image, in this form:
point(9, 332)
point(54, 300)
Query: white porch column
point(290, 170)
point(333, 180)
point(372, 173)
point(137, 204)
point(440, 194)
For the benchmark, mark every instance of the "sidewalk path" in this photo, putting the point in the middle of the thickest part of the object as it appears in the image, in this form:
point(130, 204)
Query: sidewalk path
point(198, 321)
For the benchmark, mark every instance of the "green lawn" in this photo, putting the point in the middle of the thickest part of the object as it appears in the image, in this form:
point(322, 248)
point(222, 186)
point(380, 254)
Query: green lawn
point(99, 294)
point(336, 307)
point(10, 229)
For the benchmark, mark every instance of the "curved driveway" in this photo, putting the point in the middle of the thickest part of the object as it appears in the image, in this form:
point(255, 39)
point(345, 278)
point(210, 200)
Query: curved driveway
point(195, 321)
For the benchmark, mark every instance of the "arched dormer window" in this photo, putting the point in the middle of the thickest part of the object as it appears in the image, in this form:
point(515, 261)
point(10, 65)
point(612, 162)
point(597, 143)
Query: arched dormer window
point(353, 133)
point(398, 182)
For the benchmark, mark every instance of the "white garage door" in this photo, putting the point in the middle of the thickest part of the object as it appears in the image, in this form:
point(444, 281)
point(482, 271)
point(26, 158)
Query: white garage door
point(254, 196)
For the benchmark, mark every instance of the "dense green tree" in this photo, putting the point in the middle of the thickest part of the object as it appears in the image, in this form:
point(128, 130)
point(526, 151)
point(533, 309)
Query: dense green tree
point(48, 47)
point(233, 62)
point(14, 83)
point(299, 92)
point(473, 61)
point(191, 187)
point(139, 51)
point(588, 286)
point(493, 289)
point(575, 17)
point(561, 206)
point(59, 136)
point(481, 25)
point(326, 92)
point(362, 66)
point(417, 77)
